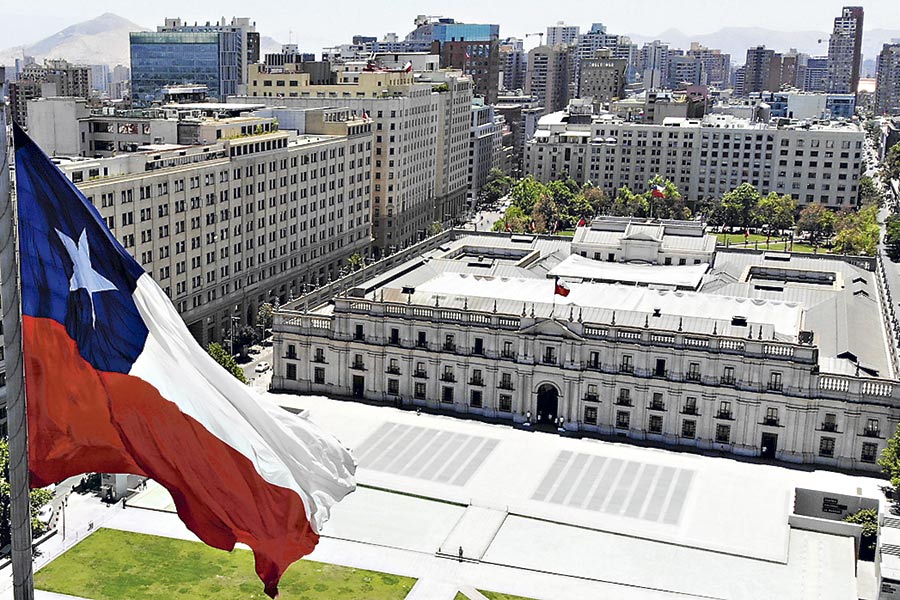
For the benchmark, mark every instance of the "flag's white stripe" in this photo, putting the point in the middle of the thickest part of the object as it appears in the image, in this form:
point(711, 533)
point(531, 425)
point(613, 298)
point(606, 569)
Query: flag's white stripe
point(286, 450)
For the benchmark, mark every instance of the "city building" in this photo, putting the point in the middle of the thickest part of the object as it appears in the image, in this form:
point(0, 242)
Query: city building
point(887, 92)
point(815, 162)
point(549, 76)
point(755, 353)
point(598, 39)
point(562, 34)
point(716, 64)
point(655, 58)
point(257, 214)
point(845, 51)
point(603, 77)
point(815, 78)
point(20, 92)
point(421, 123)
point(216, 55)
point(762, 72)
point(485, 144)
point(52, 78)
point(513, 64)
point(685, 70)
point(521, 114)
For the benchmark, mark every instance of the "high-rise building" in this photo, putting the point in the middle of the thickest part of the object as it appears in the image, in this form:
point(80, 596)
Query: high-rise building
point(53, 78)
point(716, 64)
point(513, 64)
point(655, 57)
point(603, 77)
point(887, 92)
point(421, 123)
point(620, 46)
point(562, 34)
point(549, 75)
point(684, 69)
point(215, 55)
point(845, 51)
point(761, 71)
point(484, 145)
point(815, 79)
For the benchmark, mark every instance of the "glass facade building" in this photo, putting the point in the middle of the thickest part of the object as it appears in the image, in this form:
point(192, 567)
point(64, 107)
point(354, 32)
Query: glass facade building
point(159, 59)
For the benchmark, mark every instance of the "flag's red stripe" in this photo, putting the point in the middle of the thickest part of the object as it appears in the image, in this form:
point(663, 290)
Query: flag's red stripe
point(81, 419)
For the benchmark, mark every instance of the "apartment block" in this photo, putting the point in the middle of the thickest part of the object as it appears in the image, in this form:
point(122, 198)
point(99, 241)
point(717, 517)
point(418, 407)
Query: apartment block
point(549, 75)
point(845, 51)
point(887, 92)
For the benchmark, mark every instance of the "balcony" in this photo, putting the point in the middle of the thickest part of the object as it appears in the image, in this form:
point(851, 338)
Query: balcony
point(420, 374)
point(872, 432)
point(508, 354)
point(727, 380)
point(693, 376)
point(623, 401)
point(591, 398)
point(505, 385)
point(828, 426)
point(358, 366)
point(657, 406)
point(393, 370)
point(661, 373)
point(394, 341)
point(449, 347)
point(549, 360)
point(689, 410)
point(422, 344)
point(291, 356)
point(448, 377)
point(359, 337)
point(771, 421)
point(775, 386)
point(626, 368)
point(594, 364)
point(724, 414)
point(476, 381)
point(319, 358)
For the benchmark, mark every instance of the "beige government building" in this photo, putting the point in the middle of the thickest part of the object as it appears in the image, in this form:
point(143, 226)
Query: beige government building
point(661, 338)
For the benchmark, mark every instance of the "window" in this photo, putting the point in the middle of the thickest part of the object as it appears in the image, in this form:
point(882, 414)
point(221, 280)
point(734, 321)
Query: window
point(505, 381)
point(505, 403)
point(723, 434)
point(724, 410)
point(594, 361)
point(869, 452)
point(590, 415)
point(690, 406)
point(693, 373)
point(447, 395)
point(358, 362)
point(319, 356)
point(319, 375)
point(728, 376)
point(508, 350)
point(450, 343)
point(549, 355)
point(593, 394)
point(656, 424)
point(872, 428)
point(624, 398)
point(394, 367)
point(627, 366)
point(689, 429)
point(422, 342)
point(475, 399)
point(394, 386)
point(657, 402)
point(292, 351)
point(395, 336)
point(448, 374)
point(358, 333)
point(826, 447)
point(479, 346)
point(775, 381)
point(291, 371)
point(830, 422)
point(771, 416)
point(623, 418)
point(420, 371)
point(419, 391)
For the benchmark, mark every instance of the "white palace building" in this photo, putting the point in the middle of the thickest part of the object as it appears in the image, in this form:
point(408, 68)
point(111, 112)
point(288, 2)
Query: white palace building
point(662, 337)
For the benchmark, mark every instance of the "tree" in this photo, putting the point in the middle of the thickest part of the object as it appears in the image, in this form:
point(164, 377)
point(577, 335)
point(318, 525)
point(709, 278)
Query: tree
point(890, 168)
point(629, 204)
point(816, 220)
point(38, 498)
point(265, 315)
point(857, 231)
point(869, 192)
point(246, 336)
point(227, 361)
point(526, 193)
point(514, 220)
point(435, 228)
point(892, 237)
point(868, 518)
point(738, 206)
point(356, 261)
point(671, 205)
point(497, 186)
point(776, 212)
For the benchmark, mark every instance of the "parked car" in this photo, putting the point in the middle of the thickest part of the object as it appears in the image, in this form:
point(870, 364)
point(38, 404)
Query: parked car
point(262, 367)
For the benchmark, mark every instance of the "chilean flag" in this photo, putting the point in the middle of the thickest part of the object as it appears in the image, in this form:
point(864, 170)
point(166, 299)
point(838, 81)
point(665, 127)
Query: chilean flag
point(116, 384)
point(658, 191)
point(561, 288)
point(581, 222)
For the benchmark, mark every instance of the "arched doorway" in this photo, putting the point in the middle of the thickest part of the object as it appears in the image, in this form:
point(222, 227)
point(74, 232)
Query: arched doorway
point(547, 403)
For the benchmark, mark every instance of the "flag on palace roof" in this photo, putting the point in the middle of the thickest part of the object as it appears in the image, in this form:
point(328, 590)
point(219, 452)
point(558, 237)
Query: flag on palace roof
point(561, 288)
point(116, 384)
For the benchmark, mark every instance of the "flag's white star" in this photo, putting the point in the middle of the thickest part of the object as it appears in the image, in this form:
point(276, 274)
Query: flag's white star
point(83, 274)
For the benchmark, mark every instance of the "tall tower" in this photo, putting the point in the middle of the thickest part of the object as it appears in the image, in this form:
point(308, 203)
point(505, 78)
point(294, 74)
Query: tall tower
point(887, 94)
point(845, 51)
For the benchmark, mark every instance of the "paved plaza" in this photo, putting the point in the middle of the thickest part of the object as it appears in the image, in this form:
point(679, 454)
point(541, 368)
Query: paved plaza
point(549, 517)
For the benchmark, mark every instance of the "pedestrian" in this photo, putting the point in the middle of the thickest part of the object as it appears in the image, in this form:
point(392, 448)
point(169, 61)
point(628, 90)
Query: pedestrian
point(460, 554)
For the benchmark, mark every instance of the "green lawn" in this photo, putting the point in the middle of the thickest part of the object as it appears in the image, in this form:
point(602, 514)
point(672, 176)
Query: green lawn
point(118, 565)
point(775, 243)
point(499, 596)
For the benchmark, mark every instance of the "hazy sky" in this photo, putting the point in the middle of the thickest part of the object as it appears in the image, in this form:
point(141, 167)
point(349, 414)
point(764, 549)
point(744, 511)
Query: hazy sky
point(317, 23)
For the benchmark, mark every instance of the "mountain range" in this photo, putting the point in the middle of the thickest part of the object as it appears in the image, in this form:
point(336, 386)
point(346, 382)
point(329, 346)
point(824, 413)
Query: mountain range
point(99, 41)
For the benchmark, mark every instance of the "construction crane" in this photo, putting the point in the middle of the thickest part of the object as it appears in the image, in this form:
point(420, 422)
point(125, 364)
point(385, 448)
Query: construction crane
point(539, 34)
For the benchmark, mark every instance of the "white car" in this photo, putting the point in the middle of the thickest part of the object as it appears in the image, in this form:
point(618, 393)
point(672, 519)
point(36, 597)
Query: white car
point(262, 367)
point(45, 514)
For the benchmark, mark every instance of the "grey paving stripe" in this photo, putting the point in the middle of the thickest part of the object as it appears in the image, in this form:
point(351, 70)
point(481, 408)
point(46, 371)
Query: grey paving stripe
point(553, 473)
point(635, 504)
point(464, 453)
point(591, 474)
point(682, 486)
point(620, 493)
point(374, 439)
point(473, 465)
point(383, 444)
point(390, 453)
point(402, 458)
point(659, 494)
point(604, 488)
point(573, 471)
point(415, 468)
point(443, 456)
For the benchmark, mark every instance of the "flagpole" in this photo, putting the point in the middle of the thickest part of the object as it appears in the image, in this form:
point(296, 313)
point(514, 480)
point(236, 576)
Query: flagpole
point(20, 514)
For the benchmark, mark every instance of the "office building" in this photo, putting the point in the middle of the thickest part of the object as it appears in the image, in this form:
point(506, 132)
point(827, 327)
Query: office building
point(549, 76)
point(52, 78)
point(845, 51)
point(521, 114)
point(716, 64)
point(705, 158)
point(887, 92)
point(513, 64)
point(603, 77)
point(761, 72)
point(216, 55)
point(597, 38)
point(685, 71)
point(255, 215)
point(654, 65)
point(562, 34)
point(694, 349)
point(485, 144)
point(816, 75)
point(421, 123)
